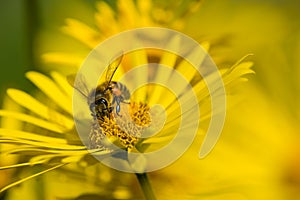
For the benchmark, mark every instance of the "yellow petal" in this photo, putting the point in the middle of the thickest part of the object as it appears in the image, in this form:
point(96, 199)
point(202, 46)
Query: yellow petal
point(33, 120)
point(13, 140)
point(66, 59)
point(144, 8)
point(29, 177)
point(50, 88)
point(43, 158)
point(71, 159)
point(63, 83)
point(205, 45)
point(162, 75)
point(82, 32)
point(161, 139)
point(167, 58)
point(19, 135)
point(139, 58)
point(59, 152)
point(127, 14)
point(201, 89)
point(105, 19)
point(18, 165)
point(237, 72)
point(40, 109)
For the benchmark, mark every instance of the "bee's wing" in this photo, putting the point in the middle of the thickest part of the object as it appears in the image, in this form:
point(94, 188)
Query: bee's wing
point(78, 83)
point(112, 69)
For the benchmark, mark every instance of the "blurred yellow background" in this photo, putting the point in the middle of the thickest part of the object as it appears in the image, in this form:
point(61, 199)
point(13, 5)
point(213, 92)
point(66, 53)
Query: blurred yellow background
point(258, 155)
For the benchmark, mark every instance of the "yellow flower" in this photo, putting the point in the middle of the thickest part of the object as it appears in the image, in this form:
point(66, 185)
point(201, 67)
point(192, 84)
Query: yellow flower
point(48, 137)
point(127, 15)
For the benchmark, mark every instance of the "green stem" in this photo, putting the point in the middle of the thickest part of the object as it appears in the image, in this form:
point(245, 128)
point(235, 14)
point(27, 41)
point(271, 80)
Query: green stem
point(146, 186)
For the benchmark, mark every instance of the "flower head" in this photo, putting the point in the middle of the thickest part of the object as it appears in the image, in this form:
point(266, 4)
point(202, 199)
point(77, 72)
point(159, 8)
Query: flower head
point(128, 14)
point(48, 137)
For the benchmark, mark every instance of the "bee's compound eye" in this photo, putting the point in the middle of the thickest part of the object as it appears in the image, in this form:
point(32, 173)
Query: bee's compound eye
point(101, 101)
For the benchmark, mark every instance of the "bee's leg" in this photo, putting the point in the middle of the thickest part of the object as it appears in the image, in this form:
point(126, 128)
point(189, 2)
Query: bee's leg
point(114, 100)
point(122, 100)
point(118, 107)
point(111, 109)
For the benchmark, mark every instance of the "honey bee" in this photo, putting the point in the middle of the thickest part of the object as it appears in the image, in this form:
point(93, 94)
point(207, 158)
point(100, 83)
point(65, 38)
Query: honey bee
point(102, 101)
point(105, 96)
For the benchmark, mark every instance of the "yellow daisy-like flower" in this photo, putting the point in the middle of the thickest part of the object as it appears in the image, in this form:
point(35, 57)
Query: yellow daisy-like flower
point(48, 138)
point(128, 14)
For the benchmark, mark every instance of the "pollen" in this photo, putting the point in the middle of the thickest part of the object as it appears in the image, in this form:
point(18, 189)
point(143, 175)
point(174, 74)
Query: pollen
point(140, 114)
point(127, 127)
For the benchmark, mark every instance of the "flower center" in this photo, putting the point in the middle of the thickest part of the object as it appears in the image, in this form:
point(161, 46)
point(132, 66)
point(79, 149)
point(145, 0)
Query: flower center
point(124, 129)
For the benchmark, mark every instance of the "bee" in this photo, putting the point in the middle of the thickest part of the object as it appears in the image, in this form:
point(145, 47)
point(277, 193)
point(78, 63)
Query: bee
point(102, 101)
point(105, 96)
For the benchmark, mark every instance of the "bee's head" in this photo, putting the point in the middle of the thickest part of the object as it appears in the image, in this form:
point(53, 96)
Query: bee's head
point(98, 103)
point(101, 101)
point(99, 108)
